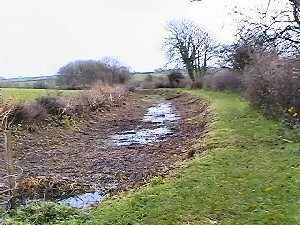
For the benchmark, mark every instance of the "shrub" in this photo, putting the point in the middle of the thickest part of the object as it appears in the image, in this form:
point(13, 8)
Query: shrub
point(30, 112)
point(100, 96)
point(133, 84)
point(186, 82)
point(224, 80)
point(55, 104)
point(273, 84)
point(198, 83)
point(175, 78)
point(156, 82)
point(166, 81)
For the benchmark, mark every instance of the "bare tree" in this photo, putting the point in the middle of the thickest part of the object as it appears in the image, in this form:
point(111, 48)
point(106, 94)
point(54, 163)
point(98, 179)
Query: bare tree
point(250, 40)
point(274, 27)
point(188, 44)
point(119, 71)
point(208, 50)
point(83, 73)
point(80, 73)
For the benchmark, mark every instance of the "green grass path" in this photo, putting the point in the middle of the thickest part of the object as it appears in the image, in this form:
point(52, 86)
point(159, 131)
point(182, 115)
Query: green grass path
point(250, 175)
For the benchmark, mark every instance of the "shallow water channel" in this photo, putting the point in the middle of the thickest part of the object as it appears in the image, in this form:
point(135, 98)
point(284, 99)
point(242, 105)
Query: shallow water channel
point(162, 117)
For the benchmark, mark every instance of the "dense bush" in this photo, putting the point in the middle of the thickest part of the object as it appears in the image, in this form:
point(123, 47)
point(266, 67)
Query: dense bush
point(224, 80)
point(53, 104)
point(175, 78)
point(29, 112)
point(100, 96)
point(198, 83)
point(273, 84)
point(269, 82)
point(151, 81)
point(186, 82)
point(172, 80)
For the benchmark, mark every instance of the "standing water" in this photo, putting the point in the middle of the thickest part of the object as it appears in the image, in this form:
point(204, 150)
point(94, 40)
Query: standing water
point(161, 115)
point(83, 201)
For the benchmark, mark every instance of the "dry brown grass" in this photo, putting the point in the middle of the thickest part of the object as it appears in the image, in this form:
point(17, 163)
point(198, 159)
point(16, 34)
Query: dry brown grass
point(48, 187)
point(101, 96)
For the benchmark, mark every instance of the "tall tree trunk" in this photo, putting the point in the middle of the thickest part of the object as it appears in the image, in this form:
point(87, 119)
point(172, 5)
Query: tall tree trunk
point(190, 69)
point(199, 65)
point(204, 68)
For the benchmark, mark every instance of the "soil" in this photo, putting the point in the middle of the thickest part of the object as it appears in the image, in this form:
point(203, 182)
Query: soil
point(60, 161)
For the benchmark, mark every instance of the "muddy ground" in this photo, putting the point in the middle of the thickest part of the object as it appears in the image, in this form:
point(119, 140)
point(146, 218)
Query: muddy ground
point(65, 161)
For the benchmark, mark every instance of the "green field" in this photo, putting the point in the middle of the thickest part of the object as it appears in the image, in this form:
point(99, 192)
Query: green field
point(20, 94)
point(141, 77)
point(28, 83)
point(249, 175)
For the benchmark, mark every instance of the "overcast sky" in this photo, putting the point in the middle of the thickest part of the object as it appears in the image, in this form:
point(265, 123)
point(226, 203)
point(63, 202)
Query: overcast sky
point(37, 37)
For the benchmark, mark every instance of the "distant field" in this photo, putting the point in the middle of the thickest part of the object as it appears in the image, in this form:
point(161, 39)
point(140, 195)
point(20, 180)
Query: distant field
point(20, 94)
point(141, 77)
point(28, 83)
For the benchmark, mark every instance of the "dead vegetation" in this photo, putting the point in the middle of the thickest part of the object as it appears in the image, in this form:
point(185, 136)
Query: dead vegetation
point(58, 106)
point(48, 187)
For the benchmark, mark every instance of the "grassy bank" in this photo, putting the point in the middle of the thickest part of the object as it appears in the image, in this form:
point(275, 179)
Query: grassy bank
point(23, 94)
point(249, 175)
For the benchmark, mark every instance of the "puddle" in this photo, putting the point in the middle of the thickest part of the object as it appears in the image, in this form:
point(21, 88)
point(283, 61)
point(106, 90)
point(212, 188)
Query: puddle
point(142, 137)
point(83, 201)
point(80, 201)
point(162, 115)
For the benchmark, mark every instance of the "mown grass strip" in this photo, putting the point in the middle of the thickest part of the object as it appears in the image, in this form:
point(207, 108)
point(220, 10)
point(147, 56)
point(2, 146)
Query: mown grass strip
point(251, 175)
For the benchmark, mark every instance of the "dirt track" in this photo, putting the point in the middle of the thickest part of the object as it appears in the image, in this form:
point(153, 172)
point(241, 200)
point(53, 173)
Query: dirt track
point(82, 153)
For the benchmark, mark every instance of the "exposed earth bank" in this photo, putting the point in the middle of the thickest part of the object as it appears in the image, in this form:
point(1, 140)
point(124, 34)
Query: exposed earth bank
point(60, 161)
